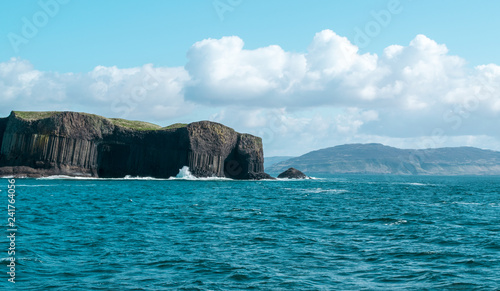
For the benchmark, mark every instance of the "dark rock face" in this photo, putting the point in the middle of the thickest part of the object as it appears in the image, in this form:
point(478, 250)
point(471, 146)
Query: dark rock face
point(259, 176)
point(292, 173)
point(79, 144)
point(3, 126)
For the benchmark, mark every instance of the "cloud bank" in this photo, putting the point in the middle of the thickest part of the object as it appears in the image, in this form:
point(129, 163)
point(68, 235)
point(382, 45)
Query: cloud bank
point(143, 92)
point(416, 95)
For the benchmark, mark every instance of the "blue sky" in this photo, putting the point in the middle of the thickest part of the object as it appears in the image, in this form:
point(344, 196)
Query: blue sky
point(277, 69)
point(129, 33)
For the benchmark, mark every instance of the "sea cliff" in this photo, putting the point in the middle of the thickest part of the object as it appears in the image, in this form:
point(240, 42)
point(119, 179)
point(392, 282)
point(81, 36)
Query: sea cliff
point(80, 144)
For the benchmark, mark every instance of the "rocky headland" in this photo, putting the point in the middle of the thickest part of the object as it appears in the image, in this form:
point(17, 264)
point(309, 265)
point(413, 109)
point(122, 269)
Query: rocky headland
point(38, 144)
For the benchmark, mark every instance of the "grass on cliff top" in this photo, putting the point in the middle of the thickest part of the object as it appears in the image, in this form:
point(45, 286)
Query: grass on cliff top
point(35, 115)
point(136, 125)
point(141, 125)
point(176, 125)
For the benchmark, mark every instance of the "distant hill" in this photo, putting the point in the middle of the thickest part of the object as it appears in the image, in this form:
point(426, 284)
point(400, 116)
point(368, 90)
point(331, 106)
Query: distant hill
point(269, 161)
point(381, 159)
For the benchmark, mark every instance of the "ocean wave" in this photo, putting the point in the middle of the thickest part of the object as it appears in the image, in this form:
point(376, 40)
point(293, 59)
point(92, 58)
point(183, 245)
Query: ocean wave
point(55, 185)
point(466, 203)
point(8, 259)
point(398, 222)
point(65, 177)
point(321, 190)
point(414, 184)
point(293, 179)
point(128, 177)
point(38, 185)
point(317, 190)
point(185, 174)
point(201, 179)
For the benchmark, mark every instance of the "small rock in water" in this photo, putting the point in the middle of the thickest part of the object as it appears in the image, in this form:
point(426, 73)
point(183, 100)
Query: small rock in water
point(292, 173)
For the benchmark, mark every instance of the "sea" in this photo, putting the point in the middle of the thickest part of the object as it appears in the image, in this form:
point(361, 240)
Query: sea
point(349, 232)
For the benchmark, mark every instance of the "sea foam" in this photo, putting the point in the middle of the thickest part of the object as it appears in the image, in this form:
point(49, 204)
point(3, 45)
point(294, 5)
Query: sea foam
point(185, 174)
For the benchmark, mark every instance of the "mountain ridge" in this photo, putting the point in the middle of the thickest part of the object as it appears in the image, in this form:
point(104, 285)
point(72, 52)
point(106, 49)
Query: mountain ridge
point(374, 158)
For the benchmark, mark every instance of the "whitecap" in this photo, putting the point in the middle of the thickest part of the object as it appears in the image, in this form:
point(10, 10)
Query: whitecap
point(414, 184)
point(65, 177)
point(293, 179)
point(401, 221)
point(128, 177)
point(321, 190)
point(410, 184)
point(465, 203)
point(185, 174)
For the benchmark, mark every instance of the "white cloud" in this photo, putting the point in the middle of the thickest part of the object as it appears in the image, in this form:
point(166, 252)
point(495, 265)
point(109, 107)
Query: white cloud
point(332, 73)
point(350, 121)
point(328, 95)
point(223, 72)
point(144, 92)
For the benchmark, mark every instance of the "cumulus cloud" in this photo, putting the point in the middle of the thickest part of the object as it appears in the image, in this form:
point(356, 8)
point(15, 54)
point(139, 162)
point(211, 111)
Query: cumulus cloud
point(223, 72)
point(413, 88)
point(328, 94)
point(144, 92)
point(353, 119)
point(332, 72)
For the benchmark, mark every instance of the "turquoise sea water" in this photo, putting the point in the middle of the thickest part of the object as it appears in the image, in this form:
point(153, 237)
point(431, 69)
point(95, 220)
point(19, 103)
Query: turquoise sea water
point(333, 233)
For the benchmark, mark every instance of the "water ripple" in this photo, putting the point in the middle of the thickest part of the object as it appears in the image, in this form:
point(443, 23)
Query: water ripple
point(349, 233)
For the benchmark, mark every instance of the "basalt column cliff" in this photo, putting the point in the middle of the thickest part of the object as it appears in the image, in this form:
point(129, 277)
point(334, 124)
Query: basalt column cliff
point(79, 144)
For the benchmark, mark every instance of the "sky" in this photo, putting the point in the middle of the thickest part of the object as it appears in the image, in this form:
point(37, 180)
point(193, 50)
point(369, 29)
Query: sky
point(302, 75)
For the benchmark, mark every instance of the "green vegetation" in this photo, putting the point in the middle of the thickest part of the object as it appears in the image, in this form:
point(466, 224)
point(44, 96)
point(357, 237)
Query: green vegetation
point(175, 126)
point(97, 120)
point(219, 129)
point(35, 115)
point(258, 140)
point(136, 125)
point(255, 139)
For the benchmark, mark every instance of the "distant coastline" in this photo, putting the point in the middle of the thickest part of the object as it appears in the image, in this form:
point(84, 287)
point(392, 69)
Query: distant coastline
point(380, 159)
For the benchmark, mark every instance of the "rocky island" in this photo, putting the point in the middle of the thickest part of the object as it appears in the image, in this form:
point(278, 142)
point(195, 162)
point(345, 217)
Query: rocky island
point(38, 144)
point(292, 173)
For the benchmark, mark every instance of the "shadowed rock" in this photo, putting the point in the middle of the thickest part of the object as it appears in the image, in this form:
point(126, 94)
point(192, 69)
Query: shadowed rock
point(260, 176)
point(292, 173)
point(80, 144)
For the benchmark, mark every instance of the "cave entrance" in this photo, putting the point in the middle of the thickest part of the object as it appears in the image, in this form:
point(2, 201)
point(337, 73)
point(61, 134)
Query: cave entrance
point(113, 160)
